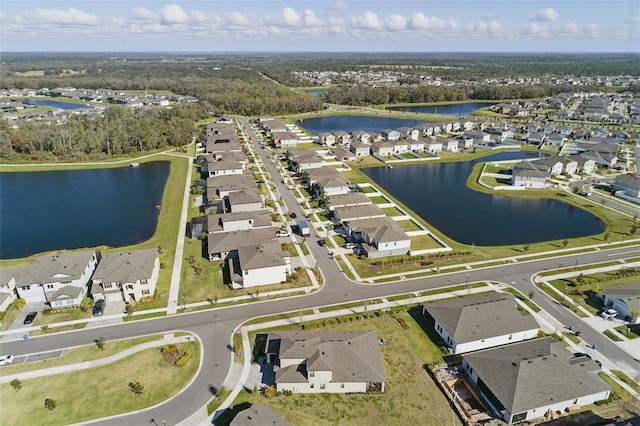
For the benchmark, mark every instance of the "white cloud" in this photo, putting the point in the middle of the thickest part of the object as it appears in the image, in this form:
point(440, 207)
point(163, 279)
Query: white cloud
point(174, 14)
point(481, 25)
point(395, 22)
point(339, 6)
point(547, 14)
point(368, 20)
point(237, 19)
point(571, 28)
point(290, 17)
point(310, 19)
point(72, 16)
point(144, 14)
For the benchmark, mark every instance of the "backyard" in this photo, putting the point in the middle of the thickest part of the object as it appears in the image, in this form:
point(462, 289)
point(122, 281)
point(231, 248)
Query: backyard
point(411, 396)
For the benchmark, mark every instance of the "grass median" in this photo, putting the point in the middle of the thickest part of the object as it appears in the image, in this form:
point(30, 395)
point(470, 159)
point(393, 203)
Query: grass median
point(97, 392)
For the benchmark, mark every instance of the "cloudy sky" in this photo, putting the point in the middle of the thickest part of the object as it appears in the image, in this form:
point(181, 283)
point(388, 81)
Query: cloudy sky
point(321, 25)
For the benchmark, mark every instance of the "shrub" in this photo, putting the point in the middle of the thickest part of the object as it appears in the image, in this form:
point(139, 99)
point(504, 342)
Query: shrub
point(183, 359)
point(171, 354)
point(20, 303)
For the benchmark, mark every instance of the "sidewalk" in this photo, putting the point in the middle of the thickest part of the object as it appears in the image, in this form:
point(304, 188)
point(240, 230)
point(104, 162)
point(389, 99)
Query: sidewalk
point(69, 368)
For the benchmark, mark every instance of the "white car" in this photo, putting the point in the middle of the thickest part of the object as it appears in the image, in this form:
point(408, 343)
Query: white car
point(609, 313)
point(6, 359)
point(282, 234)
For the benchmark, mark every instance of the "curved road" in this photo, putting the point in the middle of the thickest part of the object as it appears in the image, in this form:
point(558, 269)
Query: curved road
point(215, 327)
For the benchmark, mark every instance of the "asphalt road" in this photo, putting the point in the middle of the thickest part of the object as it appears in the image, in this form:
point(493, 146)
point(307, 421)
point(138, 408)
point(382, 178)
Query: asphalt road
point(215, 327)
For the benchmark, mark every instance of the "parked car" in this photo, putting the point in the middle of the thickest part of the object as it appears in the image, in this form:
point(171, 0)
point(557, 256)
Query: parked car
point(98, 308)
point(584, 193)
point(350, 246)
point(282, 234)
point(609, 314)
point(260, 181)
point(322, 243)
point(6, 359)
point(293, 215)
point(31, 316)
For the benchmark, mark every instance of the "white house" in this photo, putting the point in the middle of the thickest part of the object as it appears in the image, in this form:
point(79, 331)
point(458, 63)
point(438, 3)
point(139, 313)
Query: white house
point(390, 135)
point(526, 380)
point(380, 236)
point(40, 281)
point(360, 149)
point(480, 322)
point(128, 276)
point(327, 139)
point(326, 361)
point(259, 264)
point(8, 287)
point(433, 147)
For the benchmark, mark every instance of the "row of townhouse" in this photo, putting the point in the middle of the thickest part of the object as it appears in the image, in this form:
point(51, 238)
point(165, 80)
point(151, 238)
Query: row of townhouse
point(63, 279)
point(238, 227)
point(519, 376)
point(537, 173)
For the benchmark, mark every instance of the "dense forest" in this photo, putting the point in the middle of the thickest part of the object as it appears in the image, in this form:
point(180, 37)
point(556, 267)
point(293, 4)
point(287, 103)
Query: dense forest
point(120, 131)
point(260, 84)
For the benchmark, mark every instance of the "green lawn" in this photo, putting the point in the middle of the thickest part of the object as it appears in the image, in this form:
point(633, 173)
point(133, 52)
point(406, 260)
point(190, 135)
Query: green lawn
point(378, 199)
point(629, 331)
point(424, 242)
point(392, 211)
point(98, 392)
point(411, 395)
point(408, 225)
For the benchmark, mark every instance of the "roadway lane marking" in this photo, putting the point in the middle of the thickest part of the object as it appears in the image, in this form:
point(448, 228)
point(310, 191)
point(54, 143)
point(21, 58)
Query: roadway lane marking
point(624, 252)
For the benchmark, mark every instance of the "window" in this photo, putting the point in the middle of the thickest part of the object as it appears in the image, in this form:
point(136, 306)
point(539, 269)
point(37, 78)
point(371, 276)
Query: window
point(312, 374)
point(49, 285)
point(145, 292)
point(341, 385)
point(322, 386)
point(129, 286)
point(143, 282)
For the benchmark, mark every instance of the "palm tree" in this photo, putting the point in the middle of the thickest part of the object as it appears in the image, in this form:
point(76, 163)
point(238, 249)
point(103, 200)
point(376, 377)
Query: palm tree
point(50, 404)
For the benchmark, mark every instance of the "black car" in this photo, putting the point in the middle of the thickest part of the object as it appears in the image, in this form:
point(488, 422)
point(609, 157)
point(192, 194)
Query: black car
point(322, 243)
point(293, 215)
point(31, 316)
point(98, 308)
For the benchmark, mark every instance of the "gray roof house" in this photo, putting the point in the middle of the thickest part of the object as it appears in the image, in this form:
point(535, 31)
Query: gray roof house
point(380, 236)
point(128, 275)
point(341, 214)
point(258, 415)
point(480, 322)
point(324, 361)
point(244, 201)
point(220, 245)
point(348, 200)
point(40, 281)
point(259, 264)
point(526, 380)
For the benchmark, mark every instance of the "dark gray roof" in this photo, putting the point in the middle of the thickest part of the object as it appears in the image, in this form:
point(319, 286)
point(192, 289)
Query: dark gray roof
point(258, 415)
point(67, 292)
point(262, 255)
point(630, 293)
point(535, 373)
point(351, 356)
point(225, 242)
point(480, 317)
point(55, 268)
point(126, 266)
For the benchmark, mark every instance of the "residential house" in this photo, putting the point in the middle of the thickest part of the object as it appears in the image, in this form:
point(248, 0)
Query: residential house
point(360, 149)
point(600, 133)
point(327, 138)
point(8, 287)
point(569, 166)
point(565, 131)
point(259, 264)
point(629, 184)
point(275, 126)
point(246, 200)
point(555, 139)
point(382, 149)
point(342, 214)
point(528, 174)
point(221, 186)
point(53, 278)
point(380, 236)
point(409, 133)
point(400, 146)
point(464, 143)
point(258, 415)
point(361, 136)
point(448, 144)
point(527, 380)
point(220, 245)
point(416, 145)
point(351, 199)
point(314, 174)
point(307, 161)
point(625, 299)
point(285, 140)
point(480, 322)
point(390, 135)
point(584, 165)
point(239, 221)
point(536, 138)
point(326, 361)
point(343, 154)
point(331, 185)
point(126, 276)
point(220, 168)
point(551, 164)
point(433, 146)
point(342, 138)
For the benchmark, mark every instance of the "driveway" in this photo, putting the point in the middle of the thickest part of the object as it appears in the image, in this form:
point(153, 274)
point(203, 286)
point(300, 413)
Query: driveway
point(29, 307)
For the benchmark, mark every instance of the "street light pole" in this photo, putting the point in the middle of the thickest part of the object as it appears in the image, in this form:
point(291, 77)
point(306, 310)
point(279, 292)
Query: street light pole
point(466, 284)
point(576, 265)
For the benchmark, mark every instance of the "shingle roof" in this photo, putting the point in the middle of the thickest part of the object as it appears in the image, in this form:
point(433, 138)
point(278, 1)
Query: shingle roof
point(481, 317)
point(351, 356)
point(261, 255)
point(227, 241)
point(55, 268)
point(258, 415)
point(535, 373)
point(126, 266)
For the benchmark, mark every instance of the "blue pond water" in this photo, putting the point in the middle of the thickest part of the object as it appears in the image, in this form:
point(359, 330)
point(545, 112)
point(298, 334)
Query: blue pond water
point(438, 193)
point(452, 109)
point(54, 104)
point(71, 209)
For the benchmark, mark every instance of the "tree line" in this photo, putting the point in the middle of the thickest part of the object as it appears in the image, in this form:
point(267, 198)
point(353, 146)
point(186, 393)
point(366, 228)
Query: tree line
point(119, 131)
